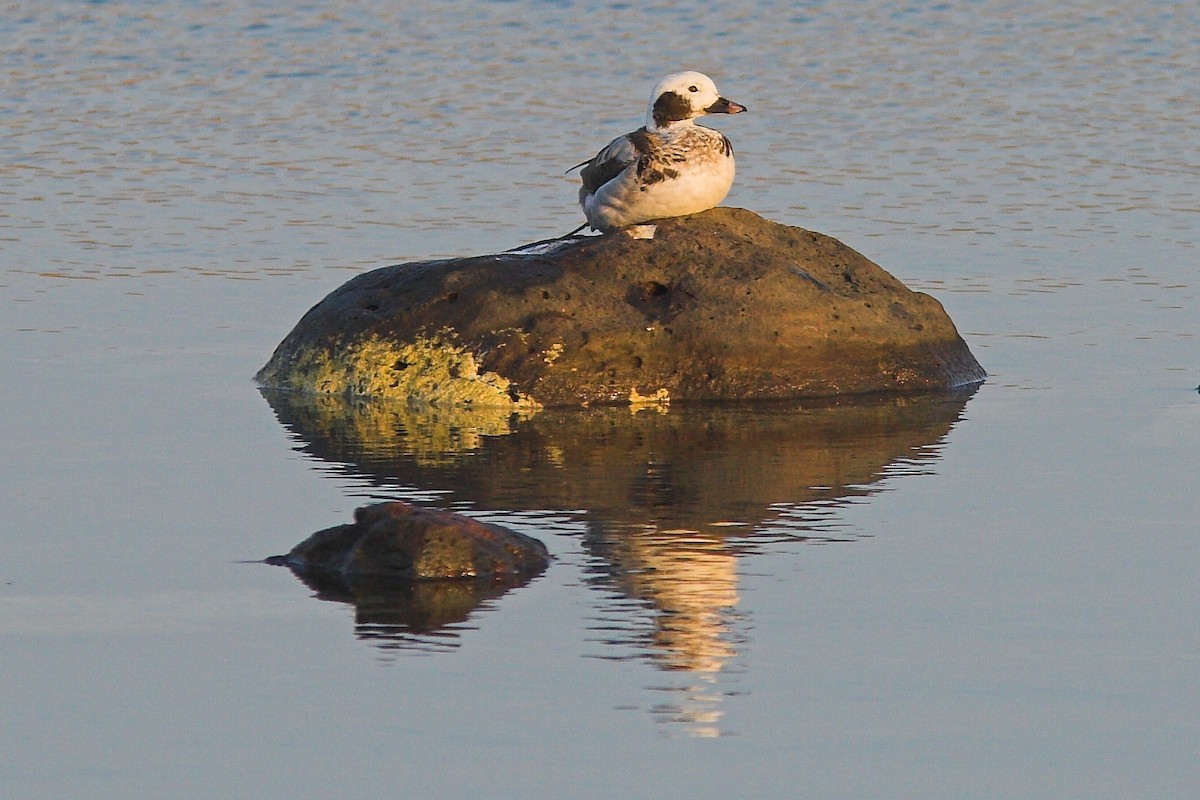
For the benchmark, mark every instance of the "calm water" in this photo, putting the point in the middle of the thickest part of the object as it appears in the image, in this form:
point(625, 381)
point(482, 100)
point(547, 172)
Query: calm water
point(1003, 602)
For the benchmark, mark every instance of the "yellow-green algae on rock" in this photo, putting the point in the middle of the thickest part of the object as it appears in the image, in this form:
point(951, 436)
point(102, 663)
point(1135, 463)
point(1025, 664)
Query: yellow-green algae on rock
point(427, 370)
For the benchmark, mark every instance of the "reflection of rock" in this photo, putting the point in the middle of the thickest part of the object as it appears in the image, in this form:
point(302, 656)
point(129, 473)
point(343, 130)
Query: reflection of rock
point(688, 468)
point(671, 499)
point(722, 305)
point(403, 542)
point(382, 431)
point(408, 614)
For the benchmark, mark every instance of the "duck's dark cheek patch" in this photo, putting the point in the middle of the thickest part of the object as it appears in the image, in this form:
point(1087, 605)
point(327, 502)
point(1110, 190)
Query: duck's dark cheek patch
point(671, 107)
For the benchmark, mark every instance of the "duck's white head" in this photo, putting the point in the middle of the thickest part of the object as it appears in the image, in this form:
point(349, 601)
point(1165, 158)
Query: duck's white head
point(681, 97)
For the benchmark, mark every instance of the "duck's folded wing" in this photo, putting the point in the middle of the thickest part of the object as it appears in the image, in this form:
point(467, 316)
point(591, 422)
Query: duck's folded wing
point(609, 163)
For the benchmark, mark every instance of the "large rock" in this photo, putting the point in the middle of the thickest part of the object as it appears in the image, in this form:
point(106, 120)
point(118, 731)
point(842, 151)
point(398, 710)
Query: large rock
point(722, 305)
point(403, 542)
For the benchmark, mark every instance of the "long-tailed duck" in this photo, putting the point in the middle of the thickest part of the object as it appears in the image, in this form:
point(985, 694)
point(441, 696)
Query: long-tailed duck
point(668, 168)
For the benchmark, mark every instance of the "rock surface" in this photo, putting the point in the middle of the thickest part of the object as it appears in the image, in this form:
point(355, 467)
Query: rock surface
point(400, 541)
point(722, 305)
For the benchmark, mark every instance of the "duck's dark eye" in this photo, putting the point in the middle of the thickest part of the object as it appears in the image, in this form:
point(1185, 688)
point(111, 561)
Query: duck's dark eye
point(693, 89)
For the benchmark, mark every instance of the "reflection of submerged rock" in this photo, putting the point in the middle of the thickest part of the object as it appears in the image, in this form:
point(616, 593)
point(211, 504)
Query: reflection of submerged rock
point(409, 614)
point(413, 569)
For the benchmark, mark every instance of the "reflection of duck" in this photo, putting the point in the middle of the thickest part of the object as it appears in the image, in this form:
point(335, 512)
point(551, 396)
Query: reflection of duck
point(691, 580)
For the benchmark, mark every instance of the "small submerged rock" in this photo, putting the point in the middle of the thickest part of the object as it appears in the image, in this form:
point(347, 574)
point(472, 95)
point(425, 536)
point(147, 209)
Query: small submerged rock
point(401, 541)
point(722, 305)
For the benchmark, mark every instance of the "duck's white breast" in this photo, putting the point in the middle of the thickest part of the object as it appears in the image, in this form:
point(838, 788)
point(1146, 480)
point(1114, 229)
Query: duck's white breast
point(687, 177)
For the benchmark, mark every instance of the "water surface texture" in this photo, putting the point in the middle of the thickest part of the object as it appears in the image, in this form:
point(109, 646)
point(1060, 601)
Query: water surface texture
point(990, 594)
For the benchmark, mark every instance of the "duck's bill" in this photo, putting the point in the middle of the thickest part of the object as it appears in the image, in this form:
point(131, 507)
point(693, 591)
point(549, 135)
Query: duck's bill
point(723, 106)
